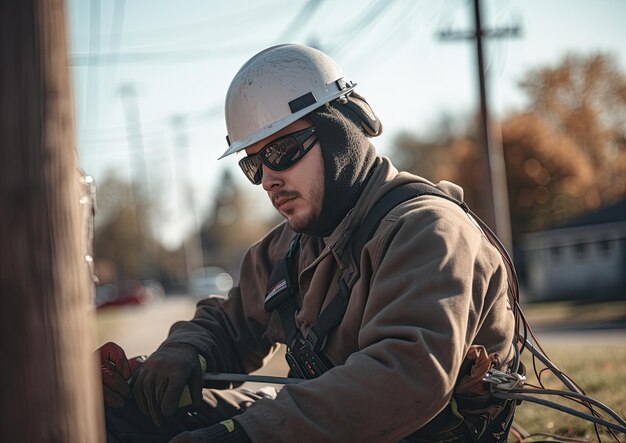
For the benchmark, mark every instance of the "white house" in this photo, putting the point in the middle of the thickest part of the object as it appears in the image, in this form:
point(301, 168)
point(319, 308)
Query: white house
point(583, 258)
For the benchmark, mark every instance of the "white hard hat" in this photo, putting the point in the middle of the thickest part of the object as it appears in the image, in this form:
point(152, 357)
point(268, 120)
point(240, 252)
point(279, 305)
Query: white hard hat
point(275, 88)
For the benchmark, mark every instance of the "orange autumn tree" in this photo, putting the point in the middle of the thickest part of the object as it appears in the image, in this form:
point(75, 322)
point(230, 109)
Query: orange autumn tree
point(584, 98)
point(564, 154)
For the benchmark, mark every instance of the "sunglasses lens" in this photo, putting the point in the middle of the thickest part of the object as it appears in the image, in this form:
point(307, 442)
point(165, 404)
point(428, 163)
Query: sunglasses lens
point(251, 167)
point(282, 154)
point(279, 155)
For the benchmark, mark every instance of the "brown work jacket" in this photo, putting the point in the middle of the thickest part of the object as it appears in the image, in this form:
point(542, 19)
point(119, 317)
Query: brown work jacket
point(430, 286)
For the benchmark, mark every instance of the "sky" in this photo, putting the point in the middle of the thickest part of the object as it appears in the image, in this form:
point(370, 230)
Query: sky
point(150, 76)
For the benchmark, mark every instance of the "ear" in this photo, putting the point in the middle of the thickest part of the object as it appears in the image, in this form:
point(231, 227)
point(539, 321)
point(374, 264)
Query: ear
point(357, 109)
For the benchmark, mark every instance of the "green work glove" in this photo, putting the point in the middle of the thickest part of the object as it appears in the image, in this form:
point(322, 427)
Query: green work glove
point(115, 371)
point(160, 382)
point(228, 431)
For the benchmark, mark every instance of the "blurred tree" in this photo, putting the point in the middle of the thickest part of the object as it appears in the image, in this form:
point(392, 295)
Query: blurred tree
point(123, 242)
point(232, 226)
point(448, 152)
point(566, 154)
point(125, 248)
point(584, 97)
point(424, 155)
point(549, 179)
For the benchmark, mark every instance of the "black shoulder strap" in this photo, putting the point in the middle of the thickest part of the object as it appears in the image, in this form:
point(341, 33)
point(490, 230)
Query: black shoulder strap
point(390, 200)
point(334, 312)
point(281, 290)
point(280, 293)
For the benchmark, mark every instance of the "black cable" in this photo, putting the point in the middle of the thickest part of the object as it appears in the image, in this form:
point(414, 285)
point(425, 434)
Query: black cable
point(568, 382)
point(519, 318)
point(569, 394)
point(561, 408)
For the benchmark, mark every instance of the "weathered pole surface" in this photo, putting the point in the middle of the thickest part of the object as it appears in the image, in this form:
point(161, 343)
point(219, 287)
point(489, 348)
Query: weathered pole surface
point(49, 389)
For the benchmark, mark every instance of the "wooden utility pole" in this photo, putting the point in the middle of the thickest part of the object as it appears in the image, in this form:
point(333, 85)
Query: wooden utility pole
point(192, 246)
point(497, 203)
point(49, 382)
point(139, 178)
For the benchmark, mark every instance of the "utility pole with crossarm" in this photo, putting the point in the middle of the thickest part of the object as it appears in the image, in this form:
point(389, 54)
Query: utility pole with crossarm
point(497, 204)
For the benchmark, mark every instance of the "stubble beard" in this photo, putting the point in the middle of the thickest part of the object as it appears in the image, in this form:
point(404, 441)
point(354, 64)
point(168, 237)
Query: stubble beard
point(303, 221)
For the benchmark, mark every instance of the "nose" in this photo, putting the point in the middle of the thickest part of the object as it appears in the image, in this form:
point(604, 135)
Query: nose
point(271, 180)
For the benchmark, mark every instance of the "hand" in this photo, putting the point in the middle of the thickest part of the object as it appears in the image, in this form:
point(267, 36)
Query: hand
point(161, 380)
point(197, 436)
point(228, 430)
point(115, 371)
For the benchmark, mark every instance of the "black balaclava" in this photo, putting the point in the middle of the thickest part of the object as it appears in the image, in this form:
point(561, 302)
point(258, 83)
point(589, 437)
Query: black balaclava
point(348, 160)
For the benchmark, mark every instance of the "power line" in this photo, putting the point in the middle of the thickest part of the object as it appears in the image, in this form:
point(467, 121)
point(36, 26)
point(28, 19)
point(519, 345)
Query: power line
point(91, 93)
point(117, 25)
point(401, 20)
point(139, 177)
point(498, 215)
point(361, 24)
point(92, 108)
point(300, 20)
point(192, 247)
point(119, 134)
point(242, 18)
point(234, 19)
point(173, 56)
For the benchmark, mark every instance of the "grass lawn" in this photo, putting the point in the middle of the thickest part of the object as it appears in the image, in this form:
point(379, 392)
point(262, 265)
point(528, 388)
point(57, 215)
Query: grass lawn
point(598, 368)
point(572, 313)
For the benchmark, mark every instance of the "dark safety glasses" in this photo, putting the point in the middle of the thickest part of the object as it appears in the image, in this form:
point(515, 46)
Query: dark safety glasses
point(278, 155)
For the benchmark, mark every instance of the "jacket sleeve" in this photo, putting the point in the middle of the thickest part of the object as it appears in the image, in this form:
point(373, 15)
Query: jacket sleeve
point(427, 280)
point(230, 333)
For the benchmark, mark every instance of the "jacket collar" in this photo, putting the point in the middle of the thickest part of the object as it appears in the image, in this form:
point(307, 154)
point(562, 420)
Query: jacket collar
point(384, 177)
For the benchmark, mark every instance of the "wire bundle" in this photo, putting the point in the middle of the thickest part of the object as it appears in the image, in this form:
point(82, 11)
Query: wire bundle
point(511, 386)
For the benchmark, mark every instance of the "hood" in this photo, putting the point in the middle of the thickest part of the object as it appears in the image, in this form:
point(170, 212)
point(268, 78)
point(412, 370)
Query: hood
point(349, 158)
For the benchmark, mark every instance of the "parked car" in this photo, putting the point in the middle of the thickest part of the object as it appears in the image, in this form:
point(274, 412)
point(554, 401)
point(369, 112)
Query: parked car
point(128, 292)
point(209, 280)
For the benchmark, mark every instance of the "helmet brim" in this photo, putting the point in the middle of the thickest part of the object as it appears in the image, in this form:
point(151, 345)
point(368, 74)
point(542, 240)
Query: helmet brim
point(281, 123)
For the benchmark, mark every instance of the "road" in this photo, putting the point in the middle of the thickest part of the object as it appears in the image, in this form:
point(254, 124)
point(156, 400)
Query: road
point(140, 329)
point(590, 334)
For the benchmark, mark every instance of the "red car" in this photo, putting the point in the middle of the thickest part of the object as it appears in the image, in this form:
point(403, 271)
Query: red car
point(127, 292)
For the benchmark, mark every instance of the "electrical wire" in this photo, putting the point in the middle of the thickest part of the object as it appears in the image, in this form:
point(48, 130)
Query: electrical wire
point(559, 407)
point(395, 39)
point(375, 11)
point(300, 20)
point(522, 328)
point(164, 56)
point(92, 92)
point(245, 17)
point(515, 433)
point(554, 437)
point(575, 395)
point(117, 133)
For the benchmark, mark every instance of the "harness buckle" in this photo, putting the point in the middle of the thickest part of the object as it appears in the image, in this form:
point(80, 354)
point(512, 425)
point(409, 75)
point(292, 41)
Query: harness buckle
point(303, 360)
point(498, 380)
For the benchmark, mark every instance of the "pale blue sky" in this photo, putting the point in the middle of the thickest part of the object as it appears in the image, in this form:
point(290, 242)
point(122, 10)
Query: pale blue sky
point(181, 55)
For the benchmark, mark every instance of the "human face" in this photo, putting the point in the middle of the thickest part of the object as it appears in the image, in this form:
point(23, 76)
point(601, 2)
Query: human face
point(296, 192)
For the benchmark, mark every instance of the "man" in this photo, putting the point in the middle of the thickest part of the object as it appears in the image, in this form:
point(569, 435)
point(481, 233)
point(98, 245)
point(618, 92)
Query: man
point(422, 293)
